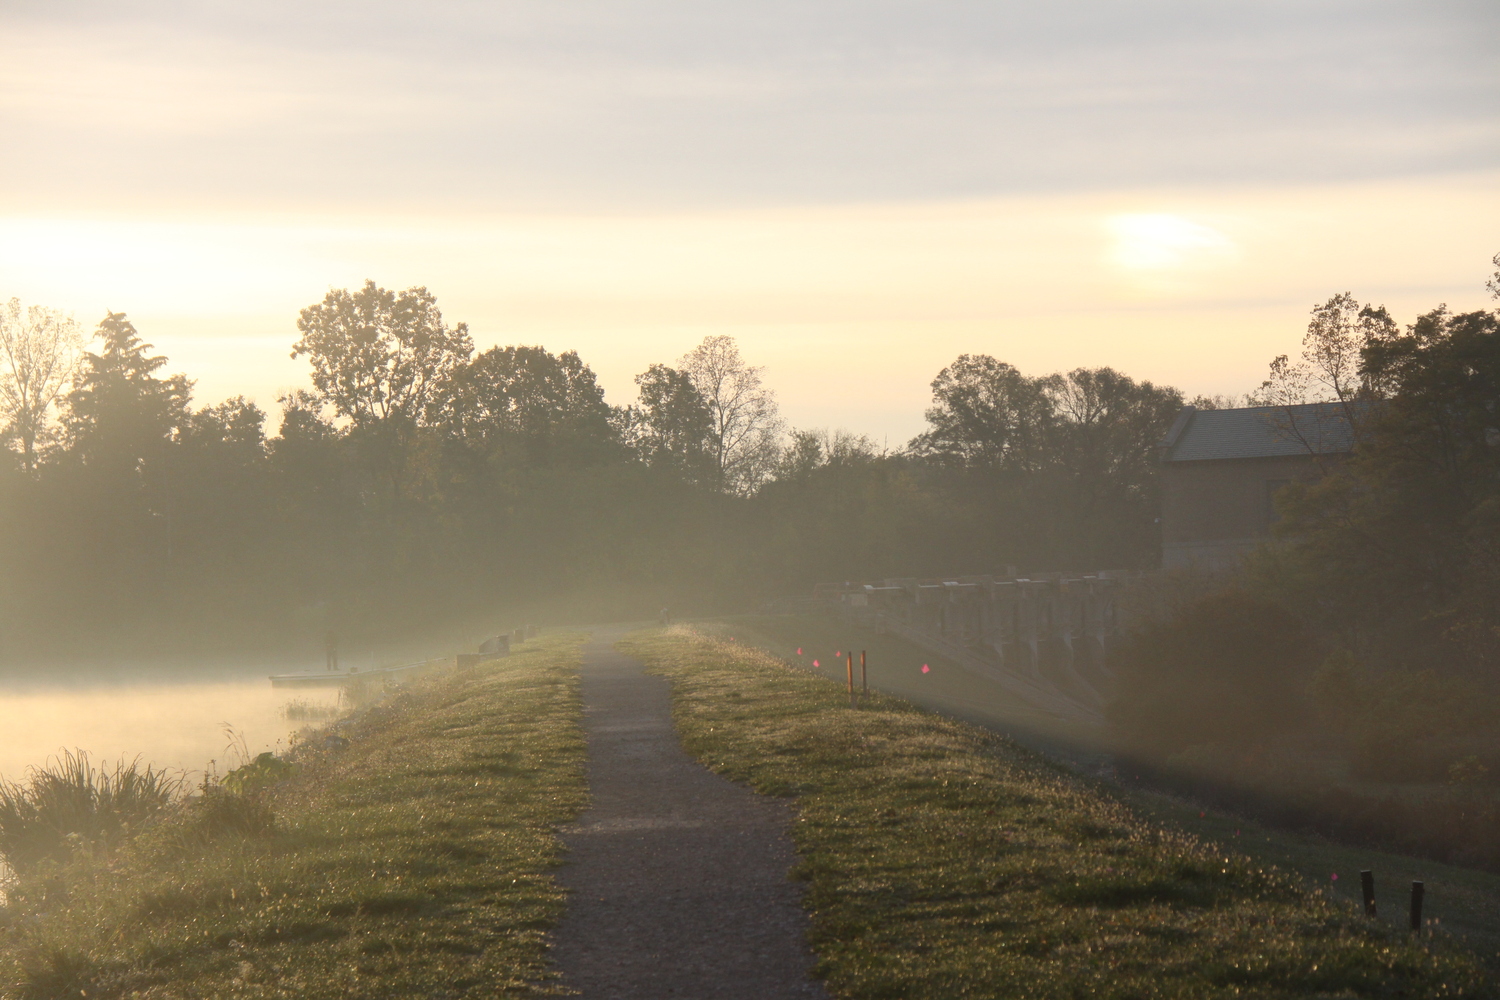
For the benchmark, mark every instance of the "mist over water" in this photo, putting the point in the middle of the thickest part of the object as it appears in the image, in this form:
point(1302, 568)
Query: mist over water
point(169, 723)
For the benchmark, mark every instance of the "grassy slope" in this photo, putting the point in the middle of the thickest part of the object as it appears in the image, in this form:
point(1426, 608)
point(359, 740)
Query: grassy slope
point(1461, 900)
point(944, 861)
point(412, 862)
point(895, 667)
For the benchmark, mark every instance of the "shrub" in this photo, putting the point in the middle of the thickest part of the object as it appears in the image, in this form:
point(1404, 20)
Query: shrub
point(1226, 669)
point(70, 801)
point(1410, 726)
point(259, 774)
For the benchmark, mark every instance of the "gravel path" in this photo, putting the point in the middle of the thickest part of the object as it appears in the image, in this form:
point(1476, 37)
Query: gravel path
point(678, 877)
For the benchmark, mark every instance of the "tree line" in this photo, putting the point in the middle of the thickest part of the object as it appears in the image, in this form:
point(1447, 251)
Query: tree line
point(1359, 650)
point(420, 480)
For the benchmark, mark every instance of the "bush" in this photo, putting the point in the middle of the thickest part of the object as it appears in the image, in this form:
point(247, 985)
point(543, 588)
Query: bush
point(71, 802)
point(1227, 669)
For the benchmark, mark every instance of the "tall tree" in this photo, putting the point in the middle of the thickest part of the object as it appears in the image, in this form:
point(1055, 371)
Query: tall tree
point(387, 362)
point(379, 355)
point(39, 352)
point(746, 430)
point(119, 412)
point(1329, 371)
point(1068, 459)
point(1400, 546)
point(537, 406)
point(673, 427)
point(987, 415)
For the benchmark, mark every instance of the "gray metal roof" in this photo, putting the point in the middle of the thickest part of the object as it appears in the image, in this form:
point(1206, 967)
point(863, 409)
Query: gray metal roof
point(1258, 432)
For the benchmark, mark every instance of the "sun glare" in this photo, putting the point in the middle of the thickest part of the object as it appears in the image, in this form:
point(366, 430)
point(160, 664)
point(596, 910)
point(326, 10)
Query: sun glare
point(1159, 242)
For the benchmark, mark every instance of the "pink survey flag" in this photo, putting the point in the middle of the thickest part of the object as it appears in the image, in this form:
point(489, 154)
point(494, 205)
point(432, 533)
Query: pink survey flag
point(926, 669)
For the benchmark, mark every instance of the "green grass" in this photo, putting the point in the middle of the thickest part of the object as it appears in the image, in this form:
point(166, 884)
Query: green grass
point(413, 861)
point(895, 667)
point(944, 861)
point(1462, 901)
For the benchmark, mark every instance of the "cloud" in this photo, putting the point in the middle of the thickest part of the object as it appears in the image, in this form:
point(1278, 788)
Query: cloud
point(676, 102)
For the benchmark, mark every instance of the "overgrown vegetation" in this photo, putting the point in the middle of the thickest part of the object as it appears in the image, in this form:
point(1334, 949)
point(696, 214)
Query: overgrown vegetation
point(944, 861)
point(1344, 681)
point(407, 855)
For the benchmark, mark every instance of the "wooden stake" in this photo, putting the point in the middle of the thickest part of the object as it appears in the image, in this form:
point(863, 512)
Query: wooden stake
point(1367, 886)
point(864, 678)
point(1417, 891)
point(851, 679)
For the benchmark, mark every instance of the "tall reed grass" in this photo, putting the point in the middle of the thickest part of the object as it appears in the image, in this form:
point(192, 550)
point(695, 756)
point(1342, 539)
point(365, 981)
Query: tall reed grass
point(70, 802)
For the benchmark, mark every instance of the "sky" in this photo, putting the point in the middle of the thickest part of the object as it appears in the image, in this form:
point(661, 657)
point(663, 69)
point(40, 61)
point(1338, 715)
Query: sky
point(858, 192)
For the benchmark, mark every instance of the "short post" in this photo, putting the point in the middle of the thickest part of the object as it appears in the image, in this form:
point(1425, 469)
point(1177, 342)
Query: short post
point(864, 678)
point(1367, 886)
point(1417, 891)
point(851, 679)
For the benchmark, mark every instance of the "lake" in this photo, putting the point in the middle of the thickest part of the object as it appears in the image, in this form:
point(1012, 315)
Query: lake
point(169, 723)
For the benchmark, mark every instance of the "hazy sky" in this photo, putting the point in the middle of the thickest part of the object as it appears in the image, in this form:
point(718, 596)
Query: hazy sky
point(857, 191)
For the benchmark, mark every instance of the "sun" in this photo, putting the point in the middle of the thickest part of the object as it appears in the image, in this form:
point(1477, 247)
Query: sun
point(1160, 242)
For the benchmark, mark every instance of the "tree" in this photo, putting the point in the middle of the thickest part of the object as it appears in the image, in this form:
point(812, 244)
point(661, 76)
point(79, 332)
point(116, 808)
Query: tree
point(387, 362)
point(987, 415)
point(746, 431)
point(542, 407)
point(1104, 447)
point(381, 356)
point(1111, 423)
point(39, 350)
point(672, 426)
point(119, 413)
point(1065, 461)
point(1329, 370)
point(1399, 547)
point(810, 451)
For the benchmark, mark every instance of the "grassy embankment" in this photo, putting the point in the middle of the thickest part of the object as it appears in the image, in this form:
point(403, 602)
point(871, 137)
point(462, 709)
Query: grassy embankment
point(945, 861)
point(413, 860)
point(1463, 901)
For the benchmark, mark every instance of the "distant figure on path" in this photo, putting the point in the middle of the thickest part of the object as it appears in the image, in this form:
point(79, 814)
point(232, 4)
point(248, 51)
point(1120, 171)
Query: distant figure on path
point(331, 650)
point(666, 619)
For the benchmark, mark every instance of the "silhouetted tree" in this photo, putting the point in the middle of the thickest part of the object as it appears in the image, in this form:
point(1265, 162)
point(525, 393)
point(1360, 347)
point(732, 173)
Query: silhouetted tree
point(987, 415)
point(120, 414)
point(672, 427)
point(387, 362)
point(528, 404)
point(745, 432)
point(1064, 463)
point(1398, 550)
point(39, 349)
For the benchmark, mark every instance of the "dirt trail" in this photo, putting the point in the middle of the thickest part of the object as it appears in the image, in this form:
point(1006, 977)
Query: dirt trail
point(678, 877)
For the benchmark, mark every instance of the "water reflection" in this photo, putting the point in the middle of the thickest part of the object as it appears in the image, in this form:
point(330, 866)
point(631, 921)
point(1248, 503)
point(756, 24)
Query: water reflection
point(170, 724)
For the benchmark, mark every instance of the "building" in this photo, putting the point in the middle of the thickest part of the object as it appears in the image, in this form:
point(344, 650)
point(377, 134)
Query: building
point(1221, 469)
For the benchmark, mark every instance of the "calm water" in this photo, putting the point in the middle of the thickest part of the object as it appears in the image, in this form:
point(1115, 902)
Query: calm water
point(176, 724)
